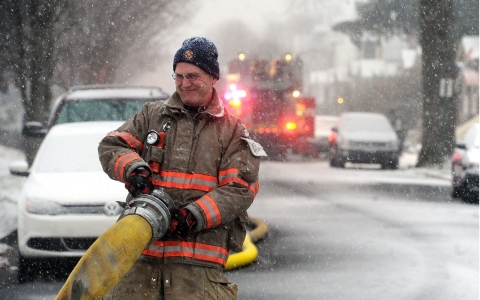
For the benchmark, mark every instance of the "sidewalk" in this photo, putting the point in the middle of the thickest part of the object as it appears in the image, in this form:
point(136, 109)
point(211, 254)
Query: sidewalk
point(408, 160)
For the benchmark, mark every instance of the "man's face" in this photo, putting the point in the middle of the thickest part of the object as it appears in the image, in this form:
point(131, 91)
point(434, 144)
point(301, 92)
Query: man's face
point(194, 92)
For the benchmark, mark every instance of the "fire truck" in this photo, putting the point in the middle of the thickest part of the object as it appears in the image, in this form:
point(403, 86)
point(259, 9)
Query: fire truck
point(266, 95)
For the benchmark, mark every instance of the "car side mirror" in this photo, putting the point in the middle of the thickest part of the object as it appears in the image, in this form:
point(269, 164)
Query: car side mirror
point(34, 129)
point(19, 168)
point(461, 146)
point(335, 129)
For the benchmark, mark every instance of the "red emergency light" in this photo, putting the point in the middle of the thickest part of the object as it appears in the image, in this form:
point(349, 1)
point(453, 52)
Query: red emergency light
point(290, 126)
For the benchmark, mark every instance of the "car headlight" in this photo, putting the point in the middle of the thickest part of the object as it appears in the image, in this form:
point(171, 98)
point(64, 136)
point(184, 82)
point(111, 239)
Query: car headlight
point(44, 207)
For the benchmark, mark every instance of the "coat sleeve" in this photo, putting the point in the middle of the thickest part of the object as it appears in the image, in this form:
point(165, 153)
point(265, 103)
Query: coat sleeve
point(238, 183)
point(119, 151)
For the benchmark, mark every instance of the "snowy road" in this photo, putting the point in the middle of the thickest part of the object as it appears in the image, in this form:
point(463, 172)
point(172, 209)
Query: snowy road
point(347, 234)
point(361, 234)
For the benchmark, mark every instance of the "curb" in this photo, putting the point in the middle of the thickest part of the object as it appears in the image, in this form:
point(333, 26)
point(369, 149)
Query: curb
point(439, 174)
point(249, 252)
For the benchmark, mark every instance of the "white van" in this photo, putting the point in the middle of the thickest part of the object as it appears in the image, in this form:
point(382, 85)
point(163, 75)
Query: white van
point(363, 137)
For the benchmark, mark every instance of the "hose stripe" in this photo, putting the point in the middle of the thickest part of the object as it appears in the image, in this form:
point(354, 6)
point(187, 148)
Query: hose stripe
point(210, 208)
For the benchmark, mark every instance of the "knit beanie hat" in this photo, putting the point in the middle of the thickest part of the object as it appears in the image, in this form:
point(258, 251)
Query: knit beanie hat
point(201, 52)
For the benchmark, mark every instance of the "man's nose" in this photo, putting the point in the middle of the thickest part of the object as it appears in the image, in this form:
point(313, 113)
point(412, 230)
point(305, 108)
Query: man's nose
point(185, 82)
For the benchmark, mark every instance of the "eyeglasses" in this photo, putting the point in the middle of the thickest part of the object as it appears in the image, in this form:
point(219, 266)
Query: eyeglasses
point(190, 77)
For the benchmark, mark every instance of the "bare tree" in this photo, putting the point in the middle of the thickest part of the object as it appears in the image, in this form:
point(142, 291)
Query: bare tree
point(69, 42)
point(438, 25)
point(439, 71)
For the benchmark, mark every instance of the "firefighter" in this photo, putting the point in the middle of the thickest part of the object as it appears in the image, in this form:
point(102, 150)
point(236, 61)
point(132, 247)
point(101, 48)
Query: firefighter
point(203, 158)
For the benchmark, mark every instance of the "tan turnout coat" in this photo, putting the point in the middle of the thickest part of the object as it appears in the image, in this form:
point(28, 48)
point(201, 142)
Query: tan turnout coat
point(209, 167)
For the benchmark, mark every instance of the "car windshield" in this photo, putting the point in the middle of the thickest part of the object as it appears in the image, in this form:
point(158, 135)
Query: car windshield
point(99, 110)
point(69, 153)
point(366, 123)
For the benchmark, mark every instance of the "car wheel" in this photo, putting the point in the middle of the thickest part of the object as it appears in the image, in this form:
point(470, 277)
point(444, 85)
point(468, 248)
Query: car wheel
point(394, 164)
point(456, 192)
point(469, 197)
point(333, 163)
point(26, 269)
point(341, 162)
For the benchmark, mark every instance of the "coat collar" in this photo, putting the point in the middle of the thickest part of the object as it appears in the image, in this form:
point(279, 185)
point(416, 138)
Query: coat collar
point(214, 109)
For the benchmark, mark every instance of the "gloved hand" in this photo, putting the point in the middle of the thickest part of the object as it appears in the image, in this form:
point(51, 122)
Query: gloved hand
point(183, 222)
point(139, 182)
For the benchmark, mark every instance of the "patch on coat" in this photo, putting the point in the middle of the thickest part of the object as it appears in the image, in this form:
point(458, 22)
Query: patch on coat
point(255, 148)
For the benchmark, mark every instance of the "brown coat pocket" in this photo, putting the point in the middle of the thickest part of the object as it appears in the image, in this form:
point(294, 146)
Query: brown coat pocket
point(154, 157)
point(236, 232)
point(218, 286)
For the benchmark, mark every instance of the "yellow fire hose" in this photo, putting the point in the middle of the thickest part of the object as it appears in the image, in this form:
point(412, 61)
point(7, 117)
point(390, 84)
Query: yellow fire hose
point(107, 260)
point(116, 250)
point(249, 252)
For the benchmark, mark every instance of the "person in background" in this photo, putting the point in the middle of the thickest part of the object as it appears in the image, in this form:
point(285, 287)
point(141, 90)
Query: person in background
point(204, 159)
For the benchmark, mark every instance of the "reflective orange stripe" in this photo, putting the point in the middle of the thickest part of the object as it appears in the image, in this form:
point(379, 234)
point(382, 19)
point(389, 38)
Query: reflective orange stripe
point(229, 176)
point(212, 213)
point(201, 182)
point(178, 180)
point(199, 251)
point(254, 187)
point(128, 138)
point(121, 162)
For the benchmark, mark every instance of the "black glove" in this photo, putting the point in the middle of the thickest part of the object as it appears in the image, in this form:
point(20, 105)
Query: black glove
point(139, 181)
point(183, 222)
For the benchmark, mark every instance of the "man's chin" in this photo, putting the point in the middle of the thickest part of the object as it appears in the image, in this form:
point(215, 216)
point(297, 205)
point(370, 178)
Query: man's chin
point(190, 102)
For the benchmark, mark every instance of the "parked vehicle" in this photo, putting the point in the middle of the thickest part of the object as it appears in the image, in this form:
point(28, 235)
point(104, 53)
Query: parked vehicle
point(465, 162)
point(363, 137)
point(91, 103)
point(67, 200)
point(322, 130)
point(96, 103)
point(266, 95)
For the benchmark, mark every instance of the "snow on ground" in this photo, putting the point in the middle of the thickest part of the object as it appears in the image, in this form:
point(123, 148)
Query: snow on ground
point(10, 187)
point(8, 155)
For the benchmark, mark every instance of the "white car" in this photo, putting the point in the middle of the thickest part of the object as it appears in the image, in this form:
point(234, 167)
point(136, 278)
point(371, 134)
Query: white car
point(67, 200)
point(362, 137)
point(96, 103)
point(465, 160)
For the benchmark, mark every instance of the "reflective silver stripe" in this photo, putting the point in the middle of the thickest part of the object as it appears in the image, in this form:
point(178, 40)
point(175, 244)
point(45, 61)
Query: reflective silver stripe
point(229, 176)
point(121, 162)
point(212, 213)
point(229, 173)
point(192, 250)
point(185, 181)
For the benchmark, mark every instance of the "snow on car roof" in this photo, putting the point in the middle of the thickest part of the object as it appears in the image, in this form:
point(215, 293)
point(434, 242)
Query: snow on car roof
point(79, 128)
point(107, 93)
